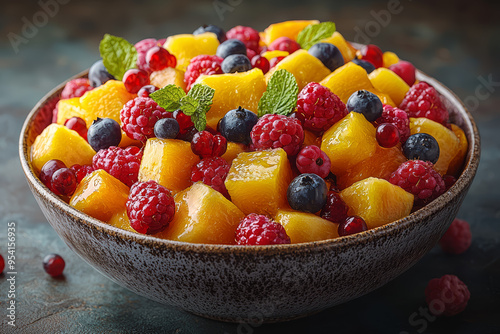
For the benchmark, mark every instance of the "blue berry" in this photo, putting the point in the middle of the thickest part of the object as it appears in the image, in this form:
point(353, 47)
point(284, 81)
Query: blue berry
point(329, 55)
point(307, 192)
point(103, 133)
point(366, 103)
point(421, 146)
point(231, 47)
point(98, 74)
point(369, 68)
point(166, 128)
point(221, 35)
point(236, 63)
point(237, 124)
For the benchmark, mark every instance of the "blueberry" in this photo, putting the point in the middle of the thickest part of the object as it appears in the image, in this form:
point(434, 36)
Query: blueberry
point(307, 192)
point(98, 74)
point(421, 146)
point(103, 133)
point(166, 128)
point(366, 103)
point(236, 63)
point(236, 125)
point(369, 68)
point(329, 55)
point(231, 47)
point(221, 35)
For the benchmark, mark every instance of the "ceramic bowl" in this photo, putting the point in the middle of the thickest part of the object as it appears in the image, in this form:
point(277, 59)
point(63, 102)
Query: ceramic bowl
point(268, 283)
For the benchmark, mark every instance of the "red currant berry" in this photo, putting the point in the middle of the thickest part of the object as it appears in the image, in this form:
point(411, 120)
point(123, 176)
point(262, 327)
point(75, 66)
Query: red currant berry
point(2, 264)
point(387, 135)
point(146, 90)
point(159, 58)
point(77, 124)
point(185, 122)
point(53, 265)
point(335, 209)
point(260, 62)
point(351, 225)
point(48, 170)
point(274, 61)
point(134, 79)
point(207, 145)
point(449, 181)
point(64, 181)
point(373, 54)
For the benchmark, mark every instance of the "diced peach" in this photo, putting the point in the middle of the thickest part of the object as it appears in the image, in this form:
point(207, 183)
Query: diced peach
point(275, 53)
point(346, 80)
point(288, 29)
point(168, 76)
point(233, 149)
point(339, 41)
point(120, 220)
point(68, 108)
point(388, 82)
point(306, 227)
point(187, 46)
point(390, 58)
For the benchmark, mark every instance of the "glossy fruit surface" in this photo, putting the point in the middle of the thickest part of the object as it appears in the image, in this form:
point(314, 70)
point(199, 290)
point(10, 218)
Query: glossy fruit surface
point(365, 103)
point(352, 225)
point(103, 133)
point(231, 47)
point(307, 192)
point(236, 63)
point(53, 264)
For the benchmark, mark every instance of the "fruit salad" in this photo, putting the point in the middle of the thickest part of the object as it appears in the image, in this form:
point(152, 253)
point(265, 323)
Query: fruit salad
point(243, 137)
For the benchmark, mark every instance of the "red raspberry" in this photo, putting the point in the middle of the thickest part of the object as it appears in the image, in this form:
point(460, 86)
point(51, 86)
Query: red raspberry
point(284, 44)
point(335, 209)
point(457, 238)
point(142, 48)
point(447, 295)
point(199, 65)
point(257, 229)
point(249, 36)
point(138, 117)
point(150, 207)
point(311, 159)
point(422, 100)
point(405, 70)
point(273, 131)
point(213, 172)
point(419, 178)
point(250, 54)
point(81, 171)
point(76, 88)
point(121, 163)
point(397, 117)
point(206, 144)
point(318, 108)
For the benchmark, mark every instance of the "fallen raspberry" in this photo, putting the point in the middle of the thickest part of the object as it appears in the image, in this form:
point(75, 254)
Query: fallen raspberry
point(212, 171)
point(274, 131)
point(257, 229)
point(199, 65)
point(447, 295)
point(121, 163)
point(249, 36)
point(422, 100)
point(457, 238)
point(397, 117)
point(76, 88)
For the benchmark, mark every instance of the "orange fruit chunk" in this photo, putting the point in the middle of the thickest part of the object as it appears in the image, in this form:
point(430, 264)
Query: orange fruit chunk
point(306, 227)
point(288, 29)
point(304, 67)
point(58, 142)
point(168, 76)
point(390, 58)
point(232, 151)
point(377, 201)
point(203, 215)
point(388, 82)
point(68, 108)
point(257, 181)
point(311, 138)
point(457, 162)
point(449, 144)
point(349, 141)
point(346, 80)
point(127, 141)
point(168, 162)
point(100, 195)
point(120, 220)
point(339, 41)
point(233, 90)
point(384, 98)
point(187, 46)
point(275, 53)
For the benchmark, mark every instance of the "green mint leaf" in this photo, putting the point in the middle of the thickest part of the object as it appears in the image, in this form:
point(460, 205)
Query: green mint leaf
point(189, 105)
point(281, 94)
point(199, 120)
point(118, 55)
point(169, 97)
point(203, 94)
point(314, 33)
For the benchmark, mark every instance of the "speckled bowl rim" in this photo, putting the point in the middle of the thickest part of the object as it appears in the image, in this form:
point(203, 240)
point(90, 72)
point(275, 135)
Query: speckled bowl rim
point(465, 179)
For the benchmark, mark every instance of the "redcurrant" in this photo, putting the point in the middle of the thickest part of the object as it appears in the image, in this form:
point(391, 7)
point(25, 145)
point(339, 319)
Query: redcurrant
point(260, 62)
point(48, 170)
point(387, 135)
point(146, 90)
point(159, 58)
point(77, 124)
point(373, 54)
point(53, 265)
point(64, 181)
point(134, 79)
point(351, 225)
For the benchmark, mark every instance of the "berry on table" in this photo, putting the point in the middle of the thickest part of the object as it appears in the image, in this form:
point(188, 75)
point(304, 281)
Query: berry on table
point(166, 128)
point(369, 68)
point(457, 238)
point(134, 79)
point(329, 55)
point(335, 209)
point(206, 144)
point(373, 54)
point(2, 264)
point(103, 133)
point(311, 159)
point(273, 131)
point(422, 100)
point(221, 35)
point(284, 44)
point(405, 70)
point(366, 103)
point(54, 264)
point(81, 171)
point(387, 135)
point(231, 47)
point(352, 225)
point(203, 64)
point(249, 36)
point(446, 295)
point(236, 63)
point(77, 124)
point(260, 62)
point(307, 192)
point(138, 117)
point(237, 124)
point(64, 182)
point(257, 229)
point(76, 88)
point(48, 169)
point(212, 171)
point(421, 146)
point(397, 117)
point(159, 58)
point(146, 90)
point(150, 207)
point(118, 162)
point(274, 61)
point(98, 74)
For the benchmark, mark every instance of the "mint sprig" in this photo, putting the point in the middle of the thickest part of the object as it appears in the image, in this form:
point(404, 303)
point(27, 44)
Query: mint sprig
point(314, 33)
point(118, 55)
point(281, 94)
point(195, 104)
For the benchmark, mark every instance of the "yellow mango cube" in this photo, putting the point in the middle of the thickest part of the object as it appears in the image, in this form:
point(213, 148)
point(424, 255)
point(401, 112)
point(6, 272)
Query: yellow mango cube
point(187, 46)
point(346, 80)
point(457, 162)
point(306, 227)
point(339, 41)
point(390, 58)
point(168, 76)
point(288, 29)
point(232, 151)
point(120, 220)
point(68, 108)
point(388, 82)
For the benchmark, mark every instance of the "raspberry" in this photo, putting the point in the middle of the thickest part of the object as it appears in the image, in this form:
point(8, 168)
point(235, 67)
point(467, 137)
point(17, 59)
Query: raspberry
point(212, 171)
point(207, 145)
point(150, 207)
point(138, 117)
point(311, 159)
point(273, 131)
point(81, 171)
point(397, 117)
point(422, 100)
point(405, 70)
point(142, 48)
point(419, 178)
point(335, 209)
point(457, 238)
point(249, 36)
point(120, 163)
point(199, 65)
point(318, 108)
point(447, 295)
point(257, 229)
point(76, 88)
point(284, 44)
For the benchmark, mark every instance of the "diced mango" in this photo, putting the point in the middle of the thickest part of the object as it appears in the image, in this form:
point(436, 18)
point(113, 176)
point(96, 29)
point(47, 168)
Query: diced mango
point(288, 29)
point(203, 215)
point(346, 80)
point(377, 201)
point(58, 142)
point(168, 76)
point(120, 220)
point(384, 98)
point(311, 138)
point(187, 46)
point(339, 41)
point(127, 141)
point(389, 83)
point(457, 162)
point(100, 195)
point(306, 227)
point(257, 181)
point(68, 108)
point(390, 58)
point(232, 151)
point(275, 53)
